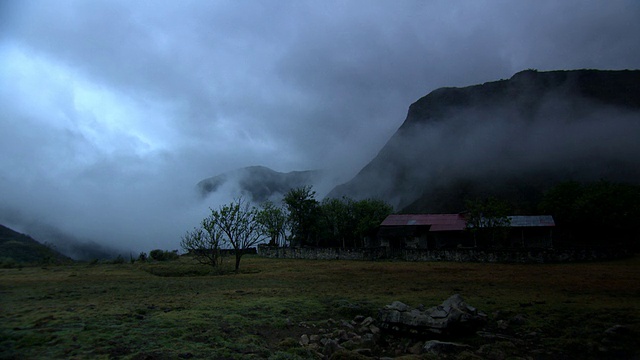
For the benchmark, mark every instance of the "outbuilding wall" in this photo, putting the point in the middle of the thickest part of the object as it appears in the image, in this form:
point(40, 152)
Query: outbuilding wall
point(456, 255)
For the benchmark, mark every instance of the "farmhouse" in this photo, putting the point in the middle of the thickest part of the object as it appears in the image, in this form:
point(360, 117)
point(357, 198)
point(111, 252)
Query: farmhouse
point(447, 231)
point(424, 231)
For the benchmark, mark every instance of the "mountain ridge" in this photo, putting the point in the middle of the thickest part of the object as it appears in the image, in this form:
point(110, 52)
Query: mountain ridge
point(21, 248)
point(470, 135)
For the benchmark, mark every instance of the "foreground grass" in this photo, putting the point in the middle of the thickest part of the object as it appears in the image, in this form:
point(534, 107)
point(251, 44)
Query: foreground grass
point(183, 310)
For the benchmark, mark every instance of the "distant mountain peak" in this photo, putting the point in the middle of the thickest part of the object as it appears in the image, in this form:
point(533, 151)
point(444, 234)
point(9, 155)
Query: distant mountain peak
point(258, 183)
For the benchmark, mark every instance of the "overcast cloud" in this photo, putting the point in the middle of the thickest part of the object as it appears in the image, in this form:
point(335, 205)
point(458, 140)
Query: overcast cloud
point(111, 111)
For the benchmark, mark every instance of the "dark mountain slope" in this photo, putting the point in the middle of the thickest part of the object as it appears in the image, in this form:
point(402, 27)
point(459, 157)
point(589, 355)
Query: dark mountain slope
point(24, 249)
point(258, 183)
point(511, 138)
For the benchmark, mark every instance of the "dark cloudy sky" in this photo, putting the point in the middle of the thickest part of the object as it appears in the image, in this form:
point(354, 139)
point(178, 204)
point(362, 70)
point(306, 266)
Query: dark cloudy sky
point(111, 111)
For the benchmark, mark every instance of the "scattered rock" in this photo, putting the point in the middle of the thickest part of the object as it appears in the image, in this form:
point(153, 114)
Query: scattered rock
point(304, 340)
point(617, 330)
point(365, 352)
point(440, 348)
point(518, 320)
point(374, 329)
point(367, 321)
point(331, 347)
point(347, 324)
point(347, 355)
point(618, 341)
point(400, 331)
point(416, 349)
point(498, 350)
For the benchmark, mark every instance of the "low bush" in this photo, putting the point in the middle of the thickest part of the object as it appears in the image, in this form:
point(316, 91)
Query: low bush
point(7, 263)
point(118, 260)
point(163, 255)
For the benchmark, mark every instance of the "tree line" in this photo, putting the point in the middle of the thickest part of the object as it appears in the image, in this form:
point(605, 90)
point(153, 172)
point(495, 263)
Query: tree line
point(600, 213)
point(300, 220)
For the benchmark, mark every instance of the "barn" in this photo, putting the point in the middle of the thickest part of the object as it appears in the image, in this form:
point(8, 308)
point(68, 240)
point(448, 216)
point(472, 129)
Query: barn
point(448, 231)
point(531, 231)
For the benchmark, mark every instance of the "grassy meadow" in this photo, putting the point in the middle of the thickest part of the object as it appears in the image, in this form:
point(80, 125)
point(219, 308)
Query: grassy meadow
point(180, 309)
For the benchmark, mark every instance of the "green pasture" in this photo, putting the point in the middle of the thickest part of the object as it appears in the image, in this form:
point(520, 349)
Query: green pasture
point(179, 309)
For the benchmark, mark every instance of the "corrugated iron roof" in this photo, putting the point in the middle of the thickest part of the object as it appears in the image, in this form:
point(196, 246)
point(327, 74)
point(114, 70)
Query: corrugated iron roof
point(532, 221)
point(438, 222)
point(456, 222)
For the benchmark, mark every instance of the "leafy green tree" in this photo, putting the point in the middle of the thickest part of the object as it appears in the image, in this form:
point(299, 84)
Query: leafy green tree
point(303, 217)
point(599, 213)
point(273, 222)
point(561, 201)
point(369, 213)
point(337, 222)
point(346, 223)
point(488, 220)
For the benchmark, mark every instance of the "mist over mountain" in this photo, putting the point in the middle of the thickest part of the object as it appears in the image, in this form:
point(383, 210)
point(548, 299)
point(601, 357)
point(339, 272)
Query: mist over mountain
point(21, 248)
point(71, 245)
point(511, 138)
point(259, 183)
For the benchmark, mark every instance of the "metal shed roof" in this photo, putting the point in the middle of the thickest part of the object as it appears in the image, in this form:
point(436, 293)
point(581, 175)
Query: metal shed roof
point(532, 221)
point(438, 222)
point(456, 222)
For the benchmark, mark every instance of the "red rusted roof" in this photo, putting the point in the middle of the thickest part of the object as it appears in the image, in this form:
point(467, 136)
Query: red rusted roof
point(438, 222)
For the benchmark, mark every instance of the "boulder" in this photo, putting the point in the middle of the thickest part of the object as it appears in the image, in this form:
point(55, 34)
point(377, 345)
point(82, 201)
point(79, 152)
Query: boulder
point(453, 317)
point(440, 348)
point(304, 340)
point(330, 347)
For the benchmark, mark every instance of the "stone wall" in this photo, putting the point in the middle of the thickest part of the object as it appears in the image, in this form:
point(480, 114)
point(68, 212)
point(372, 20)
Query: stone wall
point(456, 255)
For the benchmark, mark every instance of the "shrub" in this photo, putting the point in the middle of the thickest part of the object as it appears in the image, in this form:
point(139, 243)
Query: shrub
point(156, 254)
point(163, 255)
point(7, 263)
point(142, 257)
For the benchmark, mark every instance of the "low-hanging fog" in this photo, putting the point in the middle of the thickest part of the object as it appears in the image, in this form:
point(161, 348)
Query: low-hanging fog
point(473, 150)
point(112, 111)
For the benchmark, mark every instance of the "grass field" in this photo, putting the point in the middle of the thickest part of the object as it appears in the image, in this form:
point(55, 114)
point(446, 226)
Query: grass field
point(180, 309)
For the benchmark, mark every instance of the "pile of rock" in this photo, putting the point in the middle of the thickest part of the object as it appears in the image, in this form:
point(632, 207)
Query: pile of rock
point(453, 317)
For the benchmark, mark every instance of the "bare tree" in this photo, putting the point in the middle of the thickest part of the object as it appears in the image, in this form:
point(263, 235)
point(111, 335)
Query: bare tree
point(204, 243)
point(239, 224)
